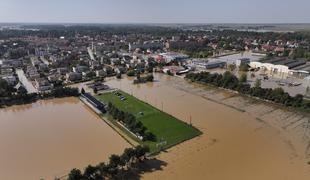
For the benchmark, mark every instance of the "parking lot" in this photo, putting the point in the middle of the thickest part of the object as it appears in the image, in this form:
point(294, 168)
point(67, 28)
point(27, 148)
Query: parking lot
point(292, 85)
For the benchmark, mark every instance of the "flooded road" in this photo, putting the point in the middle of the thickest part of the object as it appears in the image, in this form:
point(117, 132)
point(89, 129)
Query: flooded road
point(241, 141)
point(48, 138)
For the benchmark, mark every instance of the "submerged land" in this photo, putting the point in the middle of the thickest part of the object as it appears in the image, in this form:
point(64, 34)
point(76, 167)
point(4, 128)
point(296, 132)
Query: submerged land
point(48, 138)
point(239, 134)
point(154, 102)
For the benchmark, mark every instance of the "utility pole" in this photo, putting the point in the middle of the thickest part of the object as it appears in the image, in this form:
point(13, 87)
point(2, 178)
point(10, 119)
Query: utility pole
point(162, 106)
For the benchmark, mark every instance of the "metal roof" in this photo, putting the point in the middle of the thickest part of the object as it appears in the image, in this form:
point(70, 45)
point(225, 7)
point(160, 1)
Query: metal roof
point(301, 67)
point(295, 64)
point(285, 62)
point(272, 61)
point(290, 63)
point(307, 68)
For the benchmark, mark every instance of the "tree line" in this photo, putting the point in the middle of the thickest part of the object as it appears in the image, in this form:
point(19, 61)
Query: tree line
point(147, 78)
point(11, 96)
point(60, 92)
point(117, 166)
point(131, 123)
point(230, 81)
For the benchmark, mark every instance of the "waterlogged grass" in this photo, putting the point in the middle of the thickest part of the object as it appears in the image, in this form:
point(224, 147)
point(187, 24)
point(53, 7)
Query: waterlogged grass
point(165, 127)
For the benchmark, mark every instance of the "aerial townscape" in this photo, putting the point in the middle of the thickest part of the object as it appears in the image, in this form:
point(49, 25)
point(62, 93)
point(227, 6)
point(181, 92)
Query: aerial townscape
point(90, 100)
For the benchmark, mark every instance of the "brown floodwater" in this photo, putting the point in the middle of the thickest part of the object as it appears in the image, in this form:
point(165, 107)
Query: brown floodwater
point(48, 138)
point(234, 145)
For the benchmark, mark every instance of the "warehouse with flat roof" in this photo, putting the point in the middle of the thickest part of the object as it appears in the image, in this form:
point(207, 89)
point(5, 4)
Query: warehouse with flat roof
point(282, 65)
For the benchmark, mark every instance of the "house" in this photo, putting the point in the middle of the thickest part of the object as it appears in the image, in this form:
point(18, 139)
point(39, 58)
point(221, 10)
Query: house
point(268, 48)
point(15, 63)
point(43, 67)
point(98, 86)
point(74, 76)
point(101, 73)
point(10, 79)
point(32, 72)
point(43, 84)
point(6, 70)
point(35, 61)
point(120, 69)
point(54, 77)
point(62, 71)
point(80, 69)
point(279, 49)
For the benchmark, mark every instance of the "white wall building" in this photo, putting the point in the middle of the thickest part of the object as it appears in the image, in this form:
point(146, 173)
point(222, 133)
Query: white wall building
point(278, 65)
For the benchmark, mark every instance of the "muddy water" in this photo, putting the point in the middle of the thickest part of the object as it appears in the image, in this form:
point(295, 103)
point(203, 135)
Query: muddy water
point(48, 138)
point(234, 145)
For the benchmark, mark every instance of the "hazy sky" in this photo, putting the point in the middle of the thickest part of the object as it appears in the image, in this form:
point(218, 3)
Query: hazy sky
point(156, 11)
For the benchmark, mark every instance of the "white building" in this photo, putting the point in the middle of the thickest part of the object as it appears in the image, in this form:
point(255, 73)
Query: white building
point(173, 56)
point(278, 65)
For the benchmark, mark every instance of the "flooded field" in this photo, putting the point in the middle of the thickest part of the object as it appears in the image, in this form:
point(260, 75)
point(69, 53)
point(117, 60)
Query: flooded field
point(48, 138)
point(243, 139)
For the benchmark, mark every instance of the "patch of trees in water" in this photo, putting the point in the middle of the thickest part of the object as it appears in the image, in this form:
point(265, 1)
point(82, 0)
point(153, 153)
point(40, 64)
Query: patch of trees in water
point(119, 166)
point(230, 81)
point(147, 78)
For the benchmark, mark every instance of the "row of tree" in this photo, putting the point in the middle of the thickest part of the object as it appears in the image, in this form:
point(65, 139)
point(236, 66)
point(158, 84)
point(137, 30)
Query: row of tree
point(230, 81)
point(131, 122)
point(10, 96)
point(301, 53)
point(147, 78)
point(60, 92)
point(115, 169)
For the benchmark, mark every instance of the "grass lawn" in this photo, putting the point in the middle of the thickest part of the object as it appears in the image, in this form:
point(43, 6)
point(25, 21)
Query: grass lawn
point(164, 126)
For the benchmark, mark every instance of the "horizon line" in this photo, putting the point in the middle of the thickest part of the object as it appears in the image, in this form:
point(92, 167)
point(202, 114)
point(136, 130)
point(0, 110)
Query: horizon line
point(165, 23)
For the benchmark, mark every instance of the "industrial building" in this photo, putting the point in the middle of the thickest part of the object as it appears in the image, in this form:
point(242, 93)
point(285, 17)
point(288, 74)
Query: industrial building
point(171, 56)
point(242, 61)
point(210, 65)
point(305, 69)
point(282, 65)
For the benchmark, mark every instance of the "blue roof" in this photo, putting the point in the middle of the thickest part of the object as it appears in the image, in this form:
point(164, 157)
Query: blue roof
point(93, 100)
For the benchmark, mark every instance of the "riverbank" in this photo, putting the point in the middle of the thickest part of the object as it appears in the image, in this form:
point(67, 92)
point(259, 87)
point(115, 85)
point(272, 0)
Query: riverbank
point(249, 143)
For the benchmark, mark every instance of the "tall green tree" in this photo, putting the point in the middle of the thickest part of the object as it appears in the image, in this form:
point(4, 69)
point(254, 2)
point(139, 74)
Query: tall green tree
point(243, 78)
point(258, 83)
point(75, 174)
